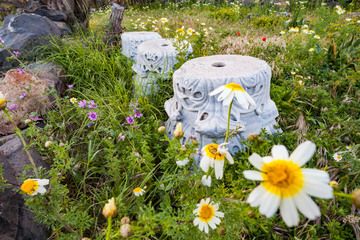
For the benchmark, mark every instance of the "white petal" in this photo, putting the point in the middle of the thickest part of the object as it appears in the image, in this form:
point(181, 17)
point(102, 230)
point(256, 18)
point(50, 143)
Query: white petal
point(42, 182)
point(196, 221)
point(253, 175)
point(318, 189)
point(270, 204)
point(217, 220)
point(256, 160)
point(41, 190)
point(242, 100)
point(224, 94)
point(219, 168)
point(279, 152)
point(206, 228)
point(255, 196)
point(219, 214)
point(307, 206)
point(267, 159)
point(204, 163)
point(289, 212)
point(250, 100)
point(229, 158)
point(303, 153)
point(212, 224)
point(217, 91)
point(228, 99)
point(316, 175)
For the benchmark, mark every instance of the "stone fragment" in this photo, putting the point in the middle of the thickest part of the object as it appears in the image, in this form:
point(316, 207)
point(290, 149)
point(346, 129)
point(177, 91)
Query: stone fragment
point(203, 116)
point(131, 40)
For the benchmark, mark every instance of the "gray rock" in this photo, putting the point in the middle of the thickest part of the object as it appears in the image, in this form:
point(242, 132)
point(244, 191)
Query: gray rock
point(25, 31)
point(17, 222)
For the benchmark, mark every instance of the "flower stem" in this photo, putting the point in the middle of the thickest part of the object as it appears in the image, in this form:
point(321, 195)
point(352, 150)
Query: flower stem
point(108, 230)
point(228, 123)
point(344, 195)
point(21, 137)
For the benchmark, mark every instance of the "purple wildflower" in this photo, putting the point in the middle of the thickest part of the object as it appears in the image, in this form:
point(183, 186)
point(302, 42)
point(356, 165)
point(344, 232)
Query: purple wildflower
point(121, 137)
point(20, 71)
point(92, 116)
point(16, 53)
point(92, 104)
point(137, 114)
point(82, 104)
point(13, 107)
point(70, 86)
point(130, 120)
point(22, 95)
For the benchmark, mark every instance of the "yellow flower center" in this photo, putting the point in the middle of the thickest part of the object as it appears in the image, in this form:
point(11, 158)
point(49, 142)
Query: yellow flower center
point(137, 190)
point(282, 177)
point(206, 212)
point(211, 151)
point(29, 186)
point(235, 87)
point(2, 102)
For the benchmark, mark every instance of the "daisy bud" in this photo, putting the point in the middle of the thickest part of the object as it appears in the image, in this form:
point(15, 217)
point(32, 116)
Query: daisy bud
point(356, 198)
point(48, 144)
point(179, 133)
point(27, 121)
point(3, 101)
point(125, 220)
point(334, 184)
point(85, 238)
point(161, 129)
point(109, 209)
point(125, 230)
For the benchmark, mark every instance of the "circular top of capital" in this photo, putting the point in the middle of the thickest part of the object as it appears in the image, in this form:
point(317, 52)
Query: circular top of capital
point(157, 45)
point(140, 35)
point(229, 68)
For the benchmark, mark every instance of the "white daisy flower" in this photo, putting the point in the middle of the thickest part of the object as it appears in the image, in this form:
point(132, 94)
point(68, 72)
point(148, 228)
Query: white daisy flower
point(34, 186)
point(207, 214)
point(138, 191)
point(182, 163)
point(286, 185)
point(213, 155)
point(231, 91)
point(206, 181)
point(337, 157)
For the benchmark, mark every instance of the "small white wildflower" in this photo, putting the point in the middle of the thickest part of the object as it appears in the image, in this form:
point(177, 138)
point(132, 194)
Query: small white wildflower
point(337, 157)
point(182, 163)
point(206, 181)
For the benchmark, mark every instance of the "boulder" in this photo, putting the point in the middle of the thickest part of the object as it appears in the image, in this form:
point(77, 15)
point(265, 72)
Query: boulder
point(25, 31)
point(17, 222)
point(29, 91)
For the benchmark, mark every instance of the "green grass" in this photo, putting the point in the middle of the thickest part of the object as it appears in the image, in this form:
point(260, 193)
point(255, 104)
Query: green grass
point(317, 95)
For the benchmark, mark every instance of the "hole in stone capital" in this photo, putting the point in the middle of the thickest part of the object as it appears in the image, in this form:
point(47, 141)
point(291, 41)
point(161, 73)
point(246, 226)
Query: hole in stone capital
point(164, 45)
point(218, 64)
point(204, 116)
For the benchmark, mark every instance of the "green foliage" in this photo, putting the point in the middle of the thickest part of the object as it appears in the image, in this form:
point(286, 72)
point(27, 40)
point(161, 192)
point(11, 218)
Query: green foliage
point(316, 93)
